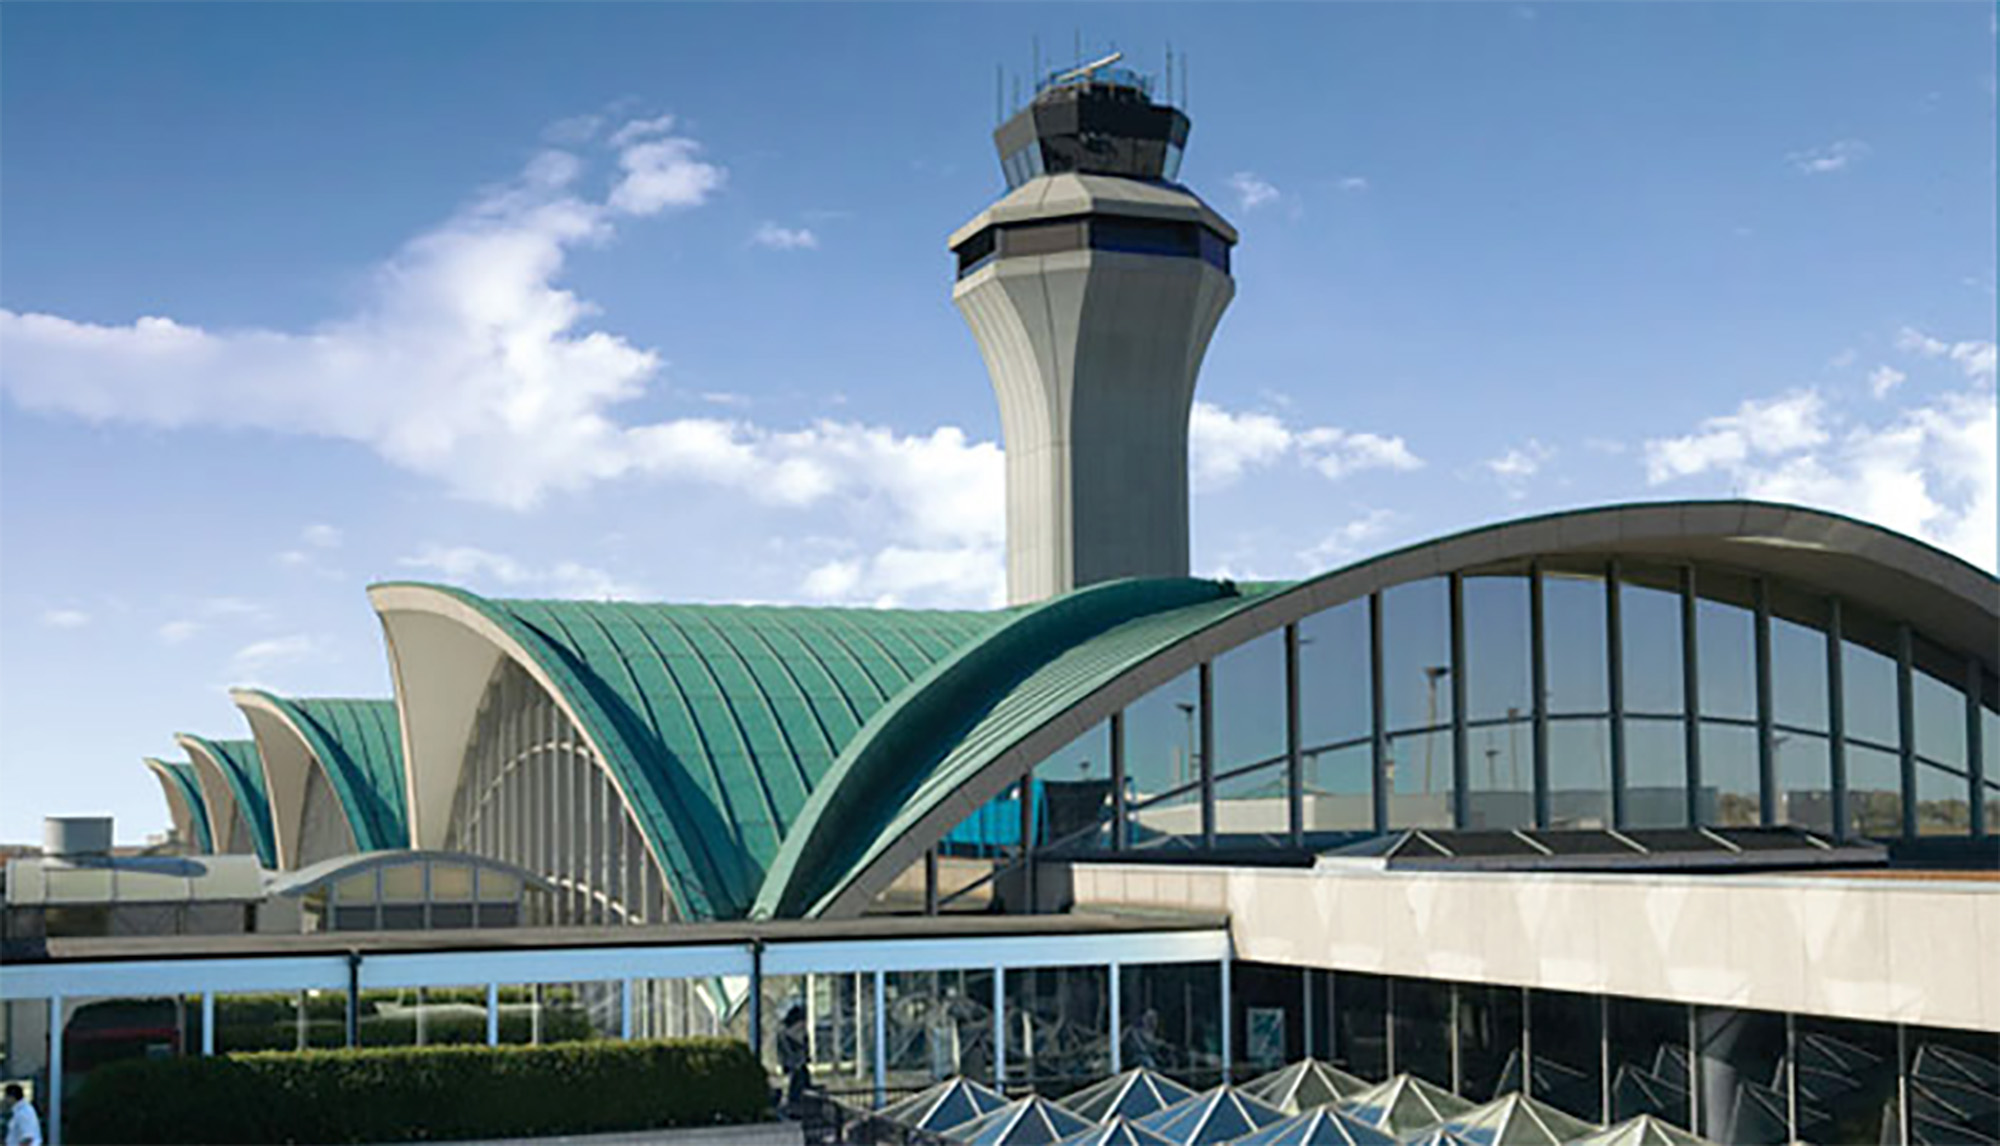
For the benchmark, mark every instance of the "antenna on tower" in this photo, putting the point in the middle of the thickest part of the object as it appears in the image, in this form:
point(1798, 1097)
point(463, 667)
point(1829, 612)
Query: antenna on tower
point(1184, 82)
point(1035, 76)
point(999, 94)
point(1169, 93)
point(1078, 57)
point(1017, 93)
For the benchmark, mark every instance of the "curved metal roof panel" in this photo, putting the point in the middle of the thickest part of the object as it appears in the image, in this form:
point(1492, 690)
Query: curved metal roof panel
point(187, 786)
point(244, 771)
point(360, 745)
point(720, 720)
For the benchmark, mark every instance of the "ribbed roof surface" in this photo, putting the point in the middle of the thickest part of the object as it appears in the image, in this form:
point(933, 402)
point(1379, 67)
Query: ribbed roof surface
point(1132, 1094)
point(1222, 1114)
point(1303, 1085)
point(181, 775)
point(360, 743)
point(1030, 1121)
point(721, 719)
point(938, 1108)
point(1116, 1131)
point(1319, 1126)
point(243, 770)
point(1405, 1105)
point(1518, 1120)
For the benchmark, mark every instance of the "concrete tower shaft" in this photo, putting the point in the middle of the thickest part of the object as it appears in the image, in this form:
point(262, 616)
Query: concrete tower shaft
point(1093, 298)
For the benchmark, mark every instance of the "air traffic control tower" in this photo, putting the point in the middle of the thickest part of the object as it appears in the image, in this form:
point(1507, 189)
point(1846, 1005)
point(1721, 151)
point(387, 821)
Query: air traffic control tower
point(1093, 286)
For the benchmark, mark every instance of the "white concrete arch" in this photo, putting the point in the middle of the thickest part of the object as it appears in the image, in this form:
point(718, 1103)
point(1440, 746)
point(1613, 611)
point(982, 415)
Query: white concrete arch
point(177, 805)
point(289, 766)
point(223, 815)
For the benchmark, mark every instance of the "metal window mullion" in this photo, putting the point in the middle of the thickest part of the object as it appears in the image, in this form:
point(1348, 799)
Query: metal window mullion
point(1767, 765)
point(1377, 715)
point(1691, 690)
point(999, 1026)
point(1836, 718)
point(1538, 668)
point(1295, 820)
point(1205, 685)
point(1906, 727)
point(1114, 981)
point(1460, 769)
point(1457, 1069)
point(1614, 657)
point(1118, 813)
point(1975, 747)
point(1603, 1059)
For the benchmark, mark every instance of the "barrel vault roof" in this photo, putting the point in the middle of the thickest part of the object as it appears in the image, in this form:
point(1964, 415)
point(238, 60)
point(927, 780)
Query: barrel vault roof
point(359, 743)
point(244, 772)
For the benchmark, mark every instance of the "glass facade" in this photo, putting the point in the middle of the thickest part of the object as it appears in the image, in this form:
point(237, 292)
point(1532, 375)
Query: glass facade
point(1670, 695)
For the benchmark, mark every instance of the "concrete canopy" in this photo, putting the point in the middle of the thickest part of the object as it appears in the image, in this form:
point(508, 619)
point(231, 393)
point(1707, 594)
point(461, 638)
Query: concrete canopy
point(182, 789)
point(715, 723)
point(357, 747)
point(232, 783)
point(849, 849)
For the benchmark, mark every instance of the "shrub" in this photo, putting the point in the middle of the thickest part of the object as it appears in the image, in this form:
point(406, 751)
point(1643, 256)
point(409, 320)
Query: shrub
point(421, 1094)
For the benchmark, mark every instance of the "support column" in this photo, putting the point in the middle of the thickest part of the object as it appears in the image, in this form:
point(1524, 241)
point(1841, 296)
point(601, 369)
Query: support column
point(1461, 770)
point(999, 1027)
point(1836, 720)
point(1205, 679)
point(1228, 1018)
point(931, 880)
point(55, 1128)
point(493, 1014)
point(1113, 980)
point(1118, 815)
point(1975, 747)
point(207, 1023)
point(1378, 718)
point(1906, 728)
point(1538, 669)
point(1767, 745)
point(881, 1036)
point(1614, 655)
point(1691, 689)
point(625, 1009)
point(1295, 795)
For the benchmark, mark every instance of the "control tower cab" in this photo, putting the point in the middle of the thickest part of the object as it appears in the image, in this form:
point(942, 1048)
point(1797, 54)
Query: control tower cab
point(1093, 287)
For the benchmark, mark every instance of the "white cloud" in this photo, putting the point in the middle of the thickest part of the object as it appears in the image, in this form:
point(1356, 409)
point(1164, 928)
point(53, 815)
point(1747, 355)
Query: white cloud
point(1223, 446)
point(1252, 191)
point(1770, 426)
point(260, 655)
point(467, 360)
point(65, 618)
point(1883, 379)
point(1975, 357)
point(235, 608)
point(485, 569)
point(1928, 470)
point(1520, 462)
point(1836, 156)
point(174, 632)
point(774, 237)
point(321, 536)
point(1353, 183)
point(1348, 541)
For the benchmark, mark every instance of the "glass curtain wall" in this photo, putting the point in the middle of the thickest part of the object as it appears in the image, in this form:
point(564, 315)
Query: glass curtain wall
point(1417, 693)
point(1336, 724)
point(1499, 702)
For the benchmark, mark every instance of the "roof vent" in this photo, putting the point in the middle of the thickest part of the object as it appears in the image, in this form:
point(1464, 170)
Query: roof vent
point(76, 835)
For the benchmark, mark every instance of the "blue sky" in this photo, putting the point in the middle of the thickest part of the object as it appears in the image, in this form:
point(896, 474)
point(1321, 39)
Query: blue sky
point(653, 300)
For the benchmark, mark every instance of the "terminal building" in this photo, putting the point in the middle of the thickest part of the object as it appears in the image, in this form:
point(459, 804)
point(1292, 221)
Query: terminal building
point(1680, 809)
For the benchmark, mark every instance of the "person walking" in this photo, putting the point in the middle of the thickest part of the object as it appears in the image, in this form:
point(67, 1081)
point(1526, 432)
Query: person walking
point(24, 1126)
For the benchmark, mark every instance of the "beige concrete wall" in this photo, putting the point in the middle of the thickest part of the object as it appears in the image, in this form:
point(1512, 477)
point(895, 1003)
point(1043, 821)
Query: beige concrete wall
point(1925, 952)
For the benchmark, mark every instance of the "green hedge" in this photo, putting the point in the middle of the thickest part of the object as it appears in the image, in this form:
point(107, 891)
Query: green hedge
point(421, 1094)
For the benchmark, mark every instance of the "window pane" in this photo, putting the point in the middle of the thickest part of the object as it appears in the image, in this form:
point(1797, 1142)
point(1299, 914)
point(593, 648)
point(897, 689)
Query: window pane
point(1333, 675)
point(1073, 792)
point(1943, 804)
point(1940, 713)
point(1361, 1025)
point(1496, 648)
point(1729, 787)
point(1655, 773)
point(1742, 1072)
point(1579, 773)
point(1868, 689)
point(1172, 1014)
point(1650, 618)
point(1269, 1028)
point(1649, 1060)
point(1423, 1029)
point(1564, 1030)
point(1805, 780)
point(1798, 675)
point(1726, 635)
point(1248, 686)
point(1162, 733)
point(1251, 808)
point(1954, 1085)
point(1501, 775)
point(1573, 614)
point(1058, 1019)
point(1989, 750)
point(1489, 1041)
point(1338, 794)
point(1416, 654)
point(1419, 773)
point(940, 1023)
point(1847, 1077)
point(1874, 792)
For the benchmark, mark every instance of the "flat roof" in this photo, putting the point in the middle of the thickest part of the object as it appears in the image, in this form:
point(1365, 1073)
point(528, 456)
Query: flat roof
point(886, 928)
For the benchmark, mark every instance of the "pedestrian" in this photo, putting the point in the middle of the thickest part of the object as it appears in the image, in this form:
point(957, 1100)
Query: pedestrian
point(24, 1126)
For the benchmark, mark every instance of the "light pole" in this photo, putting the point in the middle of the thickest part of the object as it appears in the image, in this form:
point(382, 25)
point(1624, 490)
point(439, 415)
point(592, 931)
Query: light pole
point(1432, 675)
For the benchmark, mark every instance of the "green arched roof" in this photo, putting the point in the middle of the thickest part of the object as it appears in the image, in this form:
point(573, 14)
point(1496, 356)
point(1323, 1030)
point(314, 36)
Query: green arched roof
point(360, 744)
point(916, 754)
point(244, 771)
point(720, 720)
point(181, 775)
